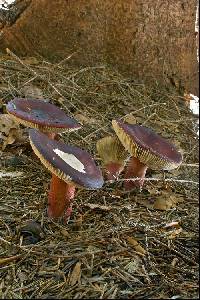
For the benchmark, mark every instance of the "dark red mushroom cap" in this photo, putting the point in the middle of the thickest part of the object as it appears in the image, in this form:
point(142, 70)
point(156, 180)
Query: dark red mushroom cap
point(41, 115)
point(146, 145)
point(69, 163)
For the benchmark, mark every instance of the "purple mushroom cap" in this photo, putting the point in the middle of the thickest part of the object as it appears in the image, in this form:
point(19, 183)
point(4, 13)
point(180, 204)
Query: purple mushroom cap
point(41, 114)
point(149, 147)
point(69, 163)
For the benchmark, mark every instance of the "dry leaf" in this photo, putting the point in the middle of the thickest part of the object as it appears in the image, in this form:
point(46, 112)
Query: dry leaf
point(174, 261)
point(9, 130)
point(165, 201)
point(78, 222)
point(174, 233)
point(134, 265)
point(130, 119)
point(136, 245)
point(84, 120)
point(32, 91)
point(97, 206)
point(6, 123)
point(32, 232)
point(75, 275)
point(153, 191)
point(31, 61)
point(13, 135)
point(65, 233)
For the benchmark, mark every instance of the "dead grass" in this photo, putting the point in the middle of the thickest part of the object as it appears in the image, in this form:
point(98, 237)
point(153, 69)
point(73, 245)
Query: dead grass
point(120, 248)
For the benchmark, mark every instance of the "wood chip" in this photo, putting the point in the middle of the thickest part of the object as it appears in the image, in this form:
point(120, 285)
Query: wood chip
point(133, 242)
point(75, 275)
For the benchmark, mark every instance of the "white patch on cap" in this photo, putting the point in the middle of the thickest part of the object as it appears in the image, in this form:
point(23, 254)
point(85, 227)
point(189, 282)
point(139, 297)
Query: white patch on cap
point(71, 160)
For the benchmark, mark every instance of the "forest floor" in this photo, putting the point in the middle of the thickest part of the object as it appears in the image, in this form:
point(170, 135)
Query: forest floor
point(141, 245)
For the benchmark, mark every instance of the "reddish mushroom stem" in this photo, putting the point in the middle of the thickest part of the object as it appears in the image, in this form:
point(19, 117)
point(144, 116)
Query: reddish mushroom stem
point(113, 170)
point(134, 169)
point(60, 197)
point(69, 195)
point(52, 135)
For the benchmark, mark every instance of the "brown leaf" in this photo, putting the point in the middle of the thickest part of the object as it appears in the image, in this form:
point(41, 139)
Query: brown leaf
point(65, 233)
point(31, 61)
point(97, 206)
point(6, 123)
point(134, 265)
point(13, 135)
point(136, 245)
point(75, 275)
point(32, 232)
point(78, 222)
point(165, 201)
point(130, 119)
point(32, 91)
point(174, 233)
point(84, 119)
point(9, 130)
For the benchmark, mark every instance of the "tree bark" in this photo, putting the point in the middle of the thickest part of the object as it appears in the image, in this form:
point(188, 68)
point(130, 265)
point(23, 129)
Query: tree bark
point(152, 41)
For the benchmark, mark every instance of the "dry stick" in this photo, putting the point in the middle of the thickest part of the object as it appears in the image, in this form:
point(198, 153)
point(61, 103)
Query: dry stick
point(190, 165)
point(64, 60)
point(6, 260)
point(177, 252)
point(29, 81)
point(10, 174)
point(149, 118)
point(34, 72)
point(85, 69)
point(155, 179)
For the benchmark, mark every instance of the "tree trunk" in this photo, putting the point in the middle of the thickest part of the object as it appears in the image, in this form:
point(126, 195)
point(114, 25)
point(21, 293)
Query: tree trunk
point(151, 40)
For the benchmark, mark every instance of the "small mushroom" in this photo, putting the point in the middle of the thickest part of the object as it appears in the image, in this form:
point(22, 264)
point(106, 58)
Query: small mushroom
point(148, 150)
point(41, 115)
point(113, 156)
point(71, 167)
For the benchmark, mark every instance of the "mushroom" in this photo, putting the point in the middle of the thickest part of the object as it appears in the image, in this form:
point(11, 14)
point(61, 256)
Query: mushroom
point(148, 150)
point(71, 167)
point(113, 156)
point(42, 115)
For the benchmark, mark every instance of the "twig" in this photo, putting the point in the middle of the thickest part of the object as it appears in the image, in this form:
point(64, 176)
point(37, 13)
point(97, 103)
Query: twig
point(6, 260)
point(155, 179)
point(190, 165)
point(177, 252)
point(10, 174)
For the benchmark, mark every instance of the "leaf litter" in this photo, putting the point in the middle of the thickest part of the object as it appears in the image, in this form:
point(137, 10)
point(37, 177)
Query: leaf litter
point(142, 244)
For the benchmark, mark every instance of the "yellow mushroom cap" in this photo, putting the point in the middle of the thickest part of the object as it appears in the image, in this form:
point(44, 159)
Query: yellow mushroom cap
point(110, 149)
